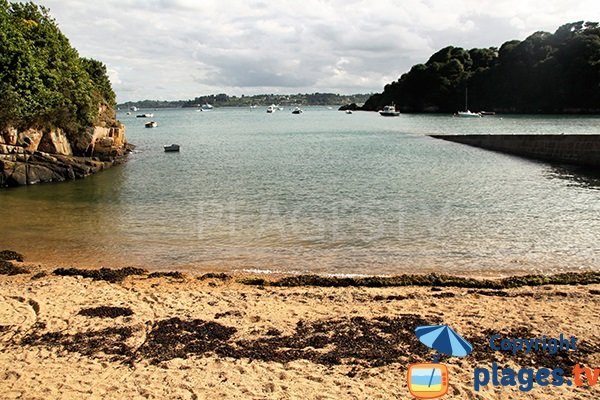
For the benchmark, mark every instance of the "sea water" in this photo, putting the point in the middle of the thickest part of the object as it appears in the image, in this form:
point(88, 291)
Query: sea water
point(320, 192)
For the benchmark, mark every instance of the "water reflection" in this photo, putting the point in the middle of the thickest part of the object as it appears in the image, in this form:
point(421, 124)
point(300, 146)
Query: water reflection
point(578, 176)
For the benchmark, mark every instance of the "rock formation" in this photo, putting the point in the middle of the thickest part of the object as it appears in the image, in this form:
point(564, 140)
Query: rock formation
point(35, 156)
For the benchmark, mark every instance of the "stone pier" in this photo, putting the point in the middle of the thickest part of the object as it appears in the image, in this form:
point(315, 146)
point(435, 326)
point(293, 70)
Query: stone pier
point(564, 149)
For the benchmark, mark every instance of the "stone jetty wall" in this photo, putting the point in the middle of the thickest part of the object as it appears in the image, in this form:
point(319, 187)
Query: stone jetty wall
point(564, 149)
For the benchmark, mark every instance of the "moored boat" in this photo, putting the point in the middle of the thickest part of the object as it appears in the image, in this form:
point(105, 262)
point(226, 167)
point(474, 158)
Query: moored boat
point(151, 124)
point(468, 114)
point(297, 110)
point(171, 148)
point(389, 111)
point(147, 115)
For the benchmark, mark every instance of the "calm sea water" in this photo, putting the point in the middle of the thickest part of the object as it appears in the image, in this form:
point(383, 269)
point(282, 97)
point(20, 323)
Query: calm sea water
point(320, 192)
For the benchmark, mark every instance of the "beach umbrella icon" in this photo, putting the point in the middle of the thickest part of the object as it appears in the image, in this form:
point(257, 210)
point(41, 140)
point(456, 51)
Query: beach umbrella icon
point(444, 340)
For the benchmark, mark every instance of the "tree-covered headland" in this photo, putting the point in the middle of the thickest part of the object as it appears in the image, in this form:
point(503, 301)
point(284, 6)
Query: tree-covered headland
point(44, 83)
point(57, 109)
point(545, 73)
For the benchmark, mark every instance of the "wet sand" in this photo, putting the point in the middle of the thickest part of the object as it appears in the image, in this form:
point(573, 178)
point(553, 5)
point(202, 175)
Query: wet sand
point(221, 337)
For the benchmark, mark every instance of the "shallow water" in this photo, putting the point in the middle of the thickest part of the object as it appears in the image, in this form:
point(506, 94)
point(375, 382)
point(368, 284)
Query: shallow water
point(319, 192)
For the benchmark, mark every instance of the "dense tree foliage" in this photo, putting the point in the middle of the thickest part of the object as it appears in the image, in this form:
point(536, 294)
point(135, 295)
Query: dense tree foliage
point(545, 73)
point(43, 81)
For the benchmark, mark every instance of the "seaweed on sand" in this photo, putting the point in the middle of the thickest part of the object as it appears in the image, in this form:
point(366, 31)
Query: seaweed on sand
point(353, 341)
point(110, 341)
point(214, 275)
point(357, 341)
point(177, 338)
point(9, 255)
point(436, 280)
point(170, 274)
point(106, 312)
point(7, 268)
point(102, 274)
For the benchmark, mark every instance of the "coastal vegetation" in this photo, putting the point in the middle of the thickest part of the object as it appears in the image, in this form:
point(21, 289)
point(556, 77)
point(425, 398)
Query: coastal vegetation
point(545, 73)
point(44, 83)
point(56, 108)
point(223, 100)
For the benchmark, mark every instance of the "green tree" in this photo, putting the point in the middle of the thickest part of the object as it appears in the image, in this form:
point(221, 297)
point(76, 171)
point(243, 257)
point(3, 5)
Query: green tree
point(43, 81)
point(545, 73)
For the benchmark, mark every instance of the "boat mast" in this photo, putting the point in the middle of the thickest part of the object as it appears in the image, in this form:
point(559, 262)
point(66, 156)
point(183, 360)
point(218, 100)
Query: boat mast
point(466, 99)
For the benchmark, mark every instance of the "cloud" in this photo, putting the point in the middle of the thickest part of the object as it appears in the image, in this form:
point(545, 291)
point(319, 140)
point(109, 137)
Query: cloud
point(173, 49)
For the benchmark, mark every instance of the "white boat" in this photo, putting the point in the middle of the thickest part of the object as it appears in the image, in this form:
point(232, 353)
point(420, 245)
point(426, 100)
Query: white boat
point(171, 147)
point(297, 110)
point(151, 124)
point(271, 108)
point(348, 111)
point(133, 108)
point(389, 111)
point(467, 113)
point(206, 107)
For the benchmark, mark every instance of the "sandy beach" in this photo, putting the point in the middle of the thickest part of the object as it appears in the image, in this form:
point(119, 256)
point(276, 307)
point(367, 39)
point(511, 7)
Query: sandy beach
point(159, 336)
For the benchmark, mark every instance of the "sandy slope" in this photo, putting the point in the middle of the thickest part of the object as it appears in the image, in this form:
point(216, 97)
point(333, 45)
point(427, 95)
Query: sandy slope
point(286, 343)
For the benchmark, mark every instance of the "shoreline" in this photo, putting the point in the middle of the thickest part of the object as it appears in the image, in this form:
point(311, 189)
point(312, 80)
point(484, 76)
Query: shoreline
point(253, 277)
point(276, 270)
point(130, 333)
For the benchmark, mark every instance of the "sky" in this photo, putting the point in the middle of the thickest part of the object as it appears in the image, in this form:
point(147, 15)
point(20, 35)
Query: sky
point(181, 49)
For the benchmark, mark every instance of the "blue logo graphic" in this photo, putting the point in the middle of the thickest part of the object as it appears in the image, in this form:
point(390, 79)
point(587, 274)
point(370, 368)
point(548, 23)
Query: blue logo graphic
point(444, 339)
point(430, 380)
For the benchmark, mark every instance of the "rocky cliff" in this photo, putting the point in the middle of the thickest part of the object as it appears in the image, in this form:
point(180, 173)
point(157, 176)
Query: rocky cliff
point(32, 156)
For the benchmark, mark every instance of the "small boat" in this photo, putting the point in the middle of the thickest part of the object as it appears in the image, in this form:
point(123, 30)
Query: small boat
point(467, 113)
point(151, 124)
point(271, 108)
point(133, 108)
point(206, 107)
point(389, 111)
point(148, 115)
point(348, 111)
point(297, 110)
point(171, 148)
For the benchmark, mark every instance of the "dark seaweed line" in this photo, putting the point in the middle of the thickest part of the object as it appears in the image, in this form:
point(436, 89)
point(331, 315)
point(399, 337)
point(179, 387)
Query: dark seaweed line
point(427, 280)
point(355, 341)
point(434, 279)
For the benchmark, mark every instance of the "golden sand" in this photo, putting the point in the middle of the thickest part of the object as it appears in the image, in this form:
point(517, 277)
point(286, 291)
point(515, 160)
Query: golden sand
point(168, 338)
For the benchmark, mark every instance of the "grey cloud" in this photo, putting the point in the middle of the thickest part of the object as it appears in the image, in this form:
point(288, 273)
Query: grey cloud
point(169, 49)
